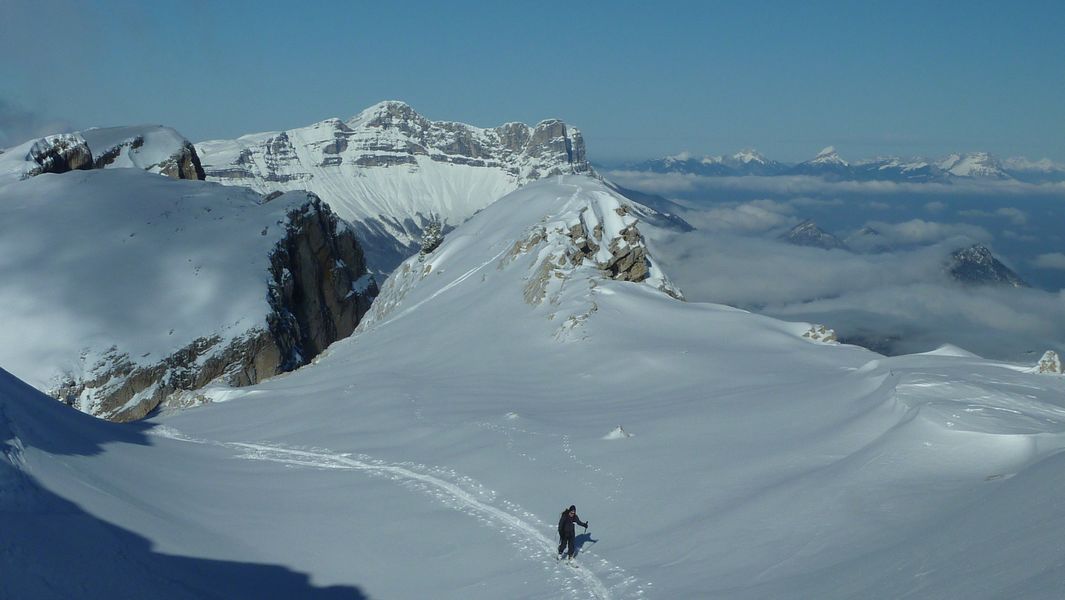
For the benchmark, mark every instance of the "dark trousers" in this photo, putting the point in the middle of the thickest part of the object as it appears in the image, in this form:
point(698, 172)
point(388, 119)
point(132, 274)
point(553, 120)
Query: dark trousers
point(566, 540)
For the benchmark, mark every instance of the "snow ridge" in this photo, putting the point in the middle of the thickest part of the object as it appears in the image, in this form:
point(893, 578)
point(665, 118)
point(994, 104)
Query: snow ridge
point(583, 233)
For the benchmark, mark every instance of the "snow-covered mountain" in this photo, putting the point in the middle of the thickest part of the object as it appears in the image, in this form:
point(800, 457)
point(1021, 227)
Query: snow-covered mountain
point(122, 289)
point(744, 162)
point(390, 170)
point(868, 239)
point(152, 148)
point(830, 165)
point(975, 265)
point(808, 233)
point(487, 389)
point(975, 164)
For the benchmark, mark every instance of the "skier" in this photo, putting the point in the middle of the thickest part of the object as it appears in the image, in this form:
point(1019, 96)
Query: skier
point(566, 530)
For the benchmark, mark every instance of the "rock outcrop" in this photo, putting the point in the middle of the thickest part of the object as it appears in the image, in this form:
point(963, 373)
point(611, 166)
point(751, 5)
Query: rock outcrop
point(1050, 364)
point(602, 234)
point(183, 165)
point(319, 291)
point(820, 333)
point(58, 154)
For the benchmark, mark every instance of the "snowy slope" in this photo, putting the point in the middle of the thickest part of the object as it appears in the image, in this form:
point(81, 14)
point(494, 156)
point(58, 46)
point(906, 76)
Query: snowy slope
point(429, 455)
point(389, 169)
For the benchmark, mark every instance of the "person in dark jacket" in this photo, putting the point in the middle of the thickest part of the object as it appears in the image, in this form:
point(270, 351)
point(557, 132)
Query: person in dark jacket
point(566, 530)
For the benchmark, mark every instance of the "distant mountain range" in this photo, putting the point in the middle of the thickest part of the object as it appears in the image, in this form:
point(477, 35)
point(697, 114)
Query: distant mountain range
point(829, 165)
point(970, 265)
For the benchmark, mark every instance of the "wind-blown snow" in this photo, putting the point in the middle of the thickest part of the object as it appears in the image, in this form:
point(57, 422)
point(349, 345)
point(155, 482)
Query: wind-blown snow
point(429, 455)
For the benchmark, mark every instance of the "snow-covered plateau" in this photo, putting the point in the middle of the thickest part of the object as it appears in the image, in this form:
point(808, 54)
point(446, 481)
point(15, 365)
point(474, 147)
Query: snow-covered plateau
point(540, 358)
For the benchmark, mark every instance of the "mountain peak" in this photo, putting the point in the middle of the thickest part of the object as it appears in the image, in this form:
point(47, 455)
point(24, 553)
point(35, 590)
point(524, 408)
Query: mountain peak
point(975, 265)
point(807, 233)
point(828, 155)
point(385, 113)
point(973, 164)
point(750, 155)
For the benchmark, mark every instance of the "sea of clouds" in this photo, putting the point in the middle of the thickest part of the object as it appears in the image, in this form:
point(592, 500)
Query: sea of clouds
point(890, 292)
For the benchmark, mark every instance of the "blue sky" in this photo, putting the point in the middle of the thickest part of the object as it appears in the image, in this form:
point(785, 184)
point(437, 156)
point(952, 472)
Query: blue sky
point(639, 79)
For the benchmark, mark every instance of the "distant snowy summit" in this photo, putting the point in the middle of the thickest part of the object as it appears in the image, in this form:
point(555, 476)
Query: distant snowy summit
point(392, 171)
point(830, 165)
point(971, 265)
point(152, 148)
point(747, 162)
point(392, 134)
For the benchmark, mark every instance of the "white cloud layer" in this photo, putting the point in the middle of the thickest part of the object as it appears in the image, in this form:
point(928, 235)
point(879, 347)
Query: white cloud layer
point(1052, 260)
point(902, 301)
point(797, 185)
point(921, 232)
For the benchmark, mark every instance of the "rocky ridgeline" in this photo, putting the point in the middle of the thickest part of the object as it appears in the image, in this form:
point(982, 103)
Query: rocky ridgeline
point(587, 233)
point(319, 291)
point(602, 234)
point(392, 134)
point(152, 148)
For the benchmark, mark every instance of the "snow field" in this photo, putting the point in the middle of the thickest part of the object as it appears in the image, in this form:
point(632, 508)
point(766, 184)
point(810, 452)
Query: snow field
point(760, 465)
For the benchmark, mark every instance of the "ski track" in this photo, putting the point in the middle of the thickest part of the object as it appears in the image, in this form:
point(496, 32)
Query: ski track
point(511, 432)
point(521, 527)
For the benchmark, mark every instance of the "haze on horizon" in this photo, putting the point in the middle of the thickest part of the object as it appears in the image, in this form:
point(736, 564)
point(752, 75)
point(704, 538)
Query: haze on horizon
point(903, 78)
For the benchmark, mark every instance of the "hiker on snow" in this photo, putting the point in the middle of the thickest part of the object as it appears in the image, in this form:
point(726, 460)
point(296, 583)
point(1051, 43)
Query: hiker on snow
point(566, 530)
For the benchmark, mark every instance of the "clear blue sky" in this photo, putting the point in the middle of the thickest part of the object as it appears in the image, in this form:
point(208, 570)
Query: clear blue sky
point(640, 79)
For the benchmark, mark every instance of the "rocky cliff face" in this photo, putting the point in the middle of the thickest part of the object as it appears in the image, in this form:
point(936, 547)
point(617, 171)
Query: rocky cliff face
point(183, 165)
point(321, 287)
point(58, 154)
point(319, 290)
